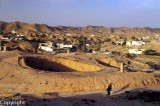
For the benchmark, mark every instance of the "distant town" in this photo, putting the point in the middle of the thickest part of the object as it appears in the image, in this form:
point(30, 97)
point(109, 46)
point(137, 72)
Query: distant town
point(70, 43)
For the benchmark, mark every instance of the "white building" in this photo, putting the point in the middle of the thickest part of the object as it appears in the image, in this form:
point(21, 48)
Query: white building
point(128, 43)
point(87, 44)
point(138, 43)
point(21, 35)
point(67, 46)
point(13, 31)
point(120, 42)
point(5, 38)
point(94, 52)
point(136, 51)
point(135, 43)
point(61, 45)
point(46, 47)
point(92, 35)
point(68, 34)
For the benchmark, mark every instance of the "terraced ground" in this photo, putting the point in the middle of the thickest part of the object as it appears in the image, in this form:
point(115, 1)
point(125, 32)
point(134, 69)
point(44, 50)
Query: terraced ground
point(17, 79)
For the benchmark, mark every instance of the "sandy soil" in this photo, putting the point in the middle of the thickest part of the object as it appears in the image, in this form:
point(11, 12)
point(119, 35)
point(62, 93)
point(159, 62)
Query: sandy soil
point(41, 88)
point(91, 98)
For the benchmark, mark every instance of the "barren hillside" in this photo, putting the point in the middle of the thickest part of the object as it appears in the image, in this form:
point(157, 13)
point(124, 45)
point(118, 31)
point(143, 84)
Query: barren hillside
point(26, 27)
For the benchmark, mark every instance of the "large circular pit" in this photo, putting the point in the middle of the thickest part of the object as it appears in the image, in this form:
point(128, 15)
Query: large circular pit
point(59, 64)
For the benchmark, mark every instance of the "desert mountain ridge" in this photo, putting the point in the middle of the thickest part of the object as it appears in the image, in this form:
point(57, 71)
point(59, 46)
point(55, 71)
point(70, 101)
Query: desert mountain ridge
point(26, 27)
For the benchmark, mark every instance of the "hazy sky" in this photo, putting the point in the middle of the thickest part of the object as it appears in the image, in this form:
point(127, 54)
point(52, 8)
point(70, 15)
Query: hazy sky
point(109, 13)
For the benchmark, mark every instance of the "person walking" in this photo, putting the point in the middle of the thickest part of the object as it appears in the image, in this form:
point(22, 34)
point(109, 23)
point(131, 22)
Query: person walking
point(109, 89)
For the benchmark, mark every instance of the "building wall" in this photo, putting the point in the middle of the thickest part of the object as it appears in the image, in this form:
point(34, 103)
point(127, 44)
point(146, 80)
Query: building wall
point(135, 51)
point(136, 43)
point(49, 49)
point(46, 47)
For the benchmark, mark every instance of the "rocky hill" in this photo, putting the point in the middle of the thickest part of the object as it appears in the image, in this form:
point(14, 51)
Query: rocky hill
point(26, 27)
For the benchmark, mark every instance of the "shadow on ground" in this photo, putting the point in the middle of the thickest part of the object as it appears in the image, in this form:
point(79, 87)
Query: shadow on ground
point(136, 97)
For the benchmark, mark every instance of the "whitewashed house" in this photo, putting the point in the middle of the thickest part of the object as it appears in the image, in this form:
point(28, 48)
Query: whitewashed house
point(138, 43)
point(120, 42)
point(94, 52)
point(87, 44)
point(13, 32)
point(68, 34)
point(21, 35)
point(92, 35)
point(67, 46)
point(135, 43)
point(5, 38)
point(46, 47)
point(136, 51)
point(128, 43)
point(61, 45)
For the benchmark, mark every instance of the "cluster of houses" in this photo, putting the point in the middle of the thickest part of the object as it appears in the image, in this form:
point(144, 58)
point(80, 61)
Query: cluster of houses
point(132, 43)
point(136, 51)
point(15, 37)
point(46, 47)
point(12, 36)
point(50, 47)
point(135, 43)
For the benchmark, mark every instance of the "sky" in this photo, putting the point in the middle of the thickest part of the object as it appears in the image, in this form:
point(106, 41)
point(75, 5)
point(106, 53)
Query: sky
point(108, 13)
